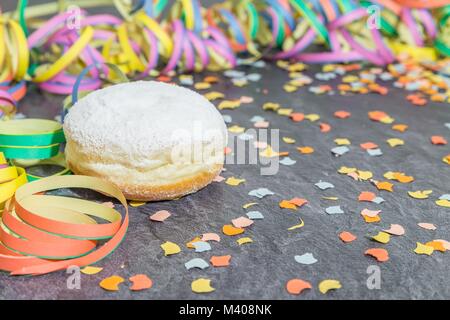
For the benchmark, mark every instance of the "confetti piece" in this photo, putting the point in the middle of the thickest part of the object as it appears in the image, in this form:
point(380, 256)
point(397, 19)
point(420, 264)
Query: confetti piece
point(299, 202)
point(372, 219)
point(297, 116)
point(334, 210)
point(305, 150)
point(341, 114)
point(296, 286)
point(271, 106)
point(324, 127)
point(445, 244)
point(137, 203)
point(331, 198)
point(284, 111)
point(438, 140)
point(255, 215)
point(246, 99)
point(400, 177)
point(160, 216)
point(111, 283)
point(170, 248)
point(236, 129)
point(443, 203)
point(342, 141)
point(378, 200)
point(436, 245)
point(214, 95)
point(339, 151)
point(312, 117)
point(346, 170)
point(196, 263)
point(400, 127)
point(394, 142)
point(202, 85)
point(260, 193)
point(230, 230)
point(285, 204)
point(269, 153)
point(385, 185)
point(427, 226)
point(229, 104)
point(287, 161)
point(190, 244)
point(366, 196)
point(364, 175)
point(261, 124)
point(395, 229)
point(297, 226)
point(232, 181)
point(210, 237)
point(323, 185)
point(420, 194)
point(90, 270)
point(218, 178)
point(329, 284)
point(306, 258)
point(202, 285)
point(370, 213)
point(368, 145)
point(382, 237)
point(220, 261)
point(248, 205)
point(140, 282)
point(288, 140)
point(347, 237)
point(201, 246)
point(242, 222)
point(244, 240)
point(380, 254)
point(423, 249)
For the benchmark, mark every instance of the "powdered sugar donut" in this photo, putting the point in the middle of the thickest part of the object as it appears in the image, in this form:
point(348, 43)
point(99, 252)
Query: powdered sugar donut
point(154, 140)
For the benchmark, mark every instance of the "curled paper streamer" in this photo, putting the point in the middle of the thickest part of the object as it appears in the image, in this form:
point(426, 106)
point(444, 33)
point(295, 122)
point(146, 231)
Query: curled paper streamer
point(11, 178)
point(44, 233)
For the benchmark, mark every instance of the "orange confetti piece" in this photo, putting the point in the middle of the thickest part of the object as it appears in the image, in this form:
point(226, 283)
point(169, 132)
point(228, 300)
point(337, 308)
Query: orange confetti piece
point(231, 230)
point(298, 201)
point(305, 150)
point(400, 127)
point(347, 236)
point(366, 196)
point(190, 244)
point(377, 115)
point(438, 140)
point(342, 114)
point(220, 261)
point(372, 219)
point(437, 245)
point(286, 204)
point(160, 216)
point(385, 185)
point(297, 116)
point(324, 127)
point(111, 283)
point(368, 145)
point(140, 282)
point(380, 254)
point(296, 286)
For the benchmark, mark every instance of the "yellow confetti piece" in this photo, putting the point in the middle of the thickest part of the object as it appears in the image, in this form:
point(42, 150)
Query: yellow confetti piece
point(284, 111)
point(394, 142)
point(382, 237)
point(214, 95)
point(296, 67)
point(365, 175)
point(271, 106)
point(297, 226)
point(331, 198)
point(384, 185)
point(288, 140)
point(342, 141)
point(240, 82)
point(289, 88)
point(248, 205)
point(202, 85)
point(349, 79)
point(232, 181)
point(420, 194)
point(329, 284)
point(269, 153)
point(312, 117)
point(202, 285)
point(111, 283)
point(346, 170)
point(229, 104)
point(390, 175)
point(236, 129)
point(244, 240)
point(137, 203)
point(443, 203)
point(91, 270)
point(387, 120)
point(170, 248)
point(423, 249)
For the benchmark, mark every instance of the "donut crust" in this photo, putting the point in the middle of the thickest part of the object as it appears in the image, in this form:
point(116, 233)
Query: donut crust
point(169, 191)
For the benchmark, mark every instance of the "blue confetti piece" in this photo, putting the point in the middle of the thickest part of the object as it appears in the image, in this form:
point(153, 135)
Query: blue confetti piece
point(334, 210)
point(306, 258)
point(201, 246)
point(323, 185)
point(374, 152)
point(445, 197)
point(255, 215)
point(260, 193)
point(287, 161)
point(378, 200)
point(339, 151)
point(196, 263)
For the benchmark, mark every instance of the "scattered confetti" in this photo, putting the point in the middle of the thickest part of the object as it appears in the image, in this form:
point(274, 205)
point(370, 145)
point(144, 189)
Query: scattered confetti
point(220, 261)
point(232, 181)
point(210, 237)
point(242, 222)
point(306, 258)
point(394, 142)
point(201, 246)
point(423, 249)
point(287, 161)
point(378, 253)
point(230, 230)
point(322, 185)
point(286, 204)
point(202, 285)
point(339, 151)
point(170, 248)
point(438, 140)
point(420, 194)
point(90, 270)
point(196, 263)
point(137, 203)
point(395, 229)
point(297, 226)
point(140, 282)
point(260, 193)
point(334, 210)
point(111, 283)
point(427, 226)
point(255, 215)
point(244, 240)
point(366, 196)
point(160, 216)
point(329, 284)
point(347, 237)
point(305, 150)
point(382, 237)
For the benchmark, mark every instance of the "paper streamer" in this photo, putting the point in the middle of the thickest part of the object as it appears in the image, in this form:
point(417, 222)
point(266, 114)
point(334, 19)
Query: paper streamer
point(11, 178)
point(43, 233)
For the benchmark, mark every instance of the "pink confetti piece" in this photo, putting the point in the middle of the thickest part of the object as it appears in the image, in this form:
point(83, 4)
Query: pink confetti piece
point(246, 99)
point(396, 230)
point(160, 216)
point(427, 226)
point(370, 213)
point(241, 222)
point(210, 237)
point(353, 175)
point(260, 144)
point(218, 179)
point(261, 124)
point(445, 243)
